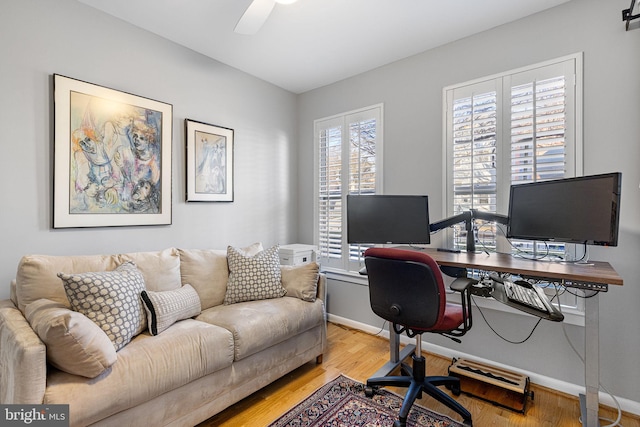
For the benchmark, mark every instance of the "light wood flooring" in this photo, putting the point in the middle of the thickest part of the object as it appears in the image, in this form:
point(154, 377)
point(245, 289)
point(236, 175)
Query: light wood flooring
point(358, 355)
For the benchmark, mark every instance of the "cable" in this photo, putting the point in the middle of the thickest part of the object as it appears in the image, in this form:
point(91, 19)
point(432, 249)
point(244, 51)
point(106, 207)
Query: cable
point(615, 422)
point(500, 336)
point(583, 296)
point(382, 328)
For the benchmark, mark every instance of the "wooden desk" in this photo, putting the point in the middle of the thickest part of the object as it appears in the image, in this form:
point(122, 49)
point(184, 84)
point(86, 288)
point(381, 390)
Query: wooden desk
point(572, 274)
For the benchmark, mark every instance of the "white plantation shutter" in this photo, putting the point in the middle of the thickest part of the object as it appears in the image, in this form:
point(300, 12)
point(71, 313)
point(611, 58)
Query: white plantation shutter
point(474, 157)
point(330, 192)
point(538, 142)
point(348, 151)
point(538, 116)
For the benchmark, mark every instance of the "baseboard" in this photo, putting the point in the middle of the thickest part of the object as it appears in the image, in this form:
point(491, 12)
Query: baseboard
point(626, 405)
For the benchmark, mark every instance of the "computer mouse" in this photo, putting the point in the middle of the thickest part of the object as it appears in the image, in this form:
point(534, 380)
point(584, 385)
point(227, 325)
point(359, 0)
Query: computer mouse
point(523, 283)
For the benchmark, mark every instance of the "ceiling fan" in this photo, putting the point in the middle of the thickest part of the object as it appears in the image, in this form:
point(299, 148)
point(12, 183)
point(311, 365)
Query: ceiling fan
point(256, 15)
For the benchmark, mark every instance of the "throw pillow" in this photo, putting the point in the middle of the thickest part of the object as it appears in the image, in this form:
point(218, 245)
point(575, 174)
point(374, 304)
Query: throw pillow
point(301, 281)
point(251, 250)
point(166, 308)
point(111, 299)
point(254, 277)
point(74, 343)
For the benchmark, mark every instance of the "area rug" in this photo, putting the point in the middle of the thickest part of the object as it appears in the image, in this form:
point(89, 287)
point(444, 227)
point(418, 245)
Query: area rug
point(342, 403)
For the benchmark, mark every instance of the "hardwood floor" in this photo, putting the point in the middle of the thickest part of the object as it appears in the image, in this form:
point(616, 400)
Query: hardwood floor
point(358, 355)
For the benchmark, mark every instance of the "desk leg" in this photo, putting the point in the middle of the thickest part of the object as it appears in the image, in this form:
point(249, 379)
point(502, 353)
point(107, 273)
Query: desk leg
point(589, 404)
point(395, 355)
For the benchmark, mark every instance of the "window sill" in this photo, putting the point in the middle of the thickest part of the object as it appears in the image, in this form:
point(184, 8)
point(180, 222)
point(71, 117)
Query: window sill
point(345, 276)
point(571, 316)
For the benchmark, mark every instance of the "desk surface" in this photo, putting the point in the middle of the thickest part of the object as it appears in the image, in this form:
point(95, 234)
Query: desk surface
point(594, 272)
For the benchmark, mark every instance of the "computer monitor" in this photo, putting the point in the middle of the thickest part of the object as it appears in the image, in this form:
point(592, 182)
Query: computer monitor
point(387, 219)
point(573, 210)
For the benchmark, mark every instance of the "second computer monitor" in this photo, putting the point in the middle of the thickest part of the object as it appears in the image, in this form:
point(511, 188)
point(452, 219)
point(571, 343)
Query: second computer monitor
point(573, 210)
point(388, 219)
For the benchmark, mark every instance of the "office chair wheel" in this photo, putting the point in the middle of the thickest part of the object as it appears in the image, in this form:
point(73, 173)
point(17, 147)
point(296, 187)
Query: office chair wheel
point(398, 423)
point(455, 389)
point(370, 391)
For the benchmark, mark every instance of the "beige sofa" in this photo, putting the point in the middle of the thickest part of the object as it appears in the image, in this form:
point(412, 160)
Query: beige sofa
point(183, 375)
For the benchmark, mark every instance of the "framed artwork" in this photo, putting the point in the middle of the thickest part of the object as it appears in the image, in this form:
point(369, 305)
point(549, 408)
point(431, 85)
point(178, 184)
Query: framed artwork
point(112, 157)
point(209, 162)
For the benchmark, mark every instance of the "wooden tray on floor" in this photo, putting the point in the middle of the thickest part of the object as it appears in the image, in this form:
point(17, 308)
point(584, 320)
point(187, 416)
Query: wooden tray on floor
point(492, 384)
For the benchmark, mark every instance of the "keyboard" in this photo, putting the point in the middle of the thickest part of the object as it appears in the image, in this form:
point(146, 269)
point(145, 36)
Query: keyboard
point(532, 297)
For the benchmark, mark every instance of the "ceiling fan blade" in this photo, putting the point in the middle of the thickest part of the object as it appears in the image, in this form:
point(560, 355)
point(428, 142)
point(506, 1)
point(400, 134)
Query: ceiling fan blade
point(255, 15)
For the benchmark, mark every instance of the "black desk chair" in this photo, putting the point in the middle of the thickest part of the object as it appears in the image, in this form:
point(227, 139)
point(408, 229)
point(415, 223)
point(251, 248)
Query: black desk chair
point(406, 289)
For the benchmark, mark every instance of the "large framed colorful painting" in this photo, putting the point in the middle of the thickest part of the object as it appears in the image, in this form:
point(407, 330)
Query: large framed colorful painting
point(112, 157)
point(209, 162)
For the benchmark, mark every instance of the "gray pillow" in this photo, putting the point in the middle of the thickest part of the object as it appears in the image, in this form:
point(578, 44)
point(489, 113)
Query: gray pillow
point(254, 277)
point(111, 299)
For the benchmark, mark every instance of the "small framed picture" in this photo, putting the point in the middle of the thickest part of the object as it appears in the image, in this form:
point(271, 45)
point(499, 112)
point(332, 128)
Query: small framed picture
point(209, 162)
point(112, 157)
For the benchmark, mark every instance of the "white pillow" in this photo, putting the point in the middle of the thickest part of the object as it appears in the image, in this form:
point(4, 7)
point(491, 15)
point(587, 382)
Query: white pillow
point(74, 343)
point(301, 281)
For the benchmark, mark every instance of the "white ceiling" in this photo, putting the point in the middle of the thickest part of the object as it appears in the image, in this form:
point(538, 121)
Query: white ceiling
point(313, 43)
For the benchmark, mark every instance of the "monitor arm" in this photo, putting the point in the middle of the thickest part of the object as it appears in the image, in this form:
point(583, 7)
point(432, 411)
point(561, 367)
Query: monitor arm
point(489, 216)
point(453, 220)
point(467, 217)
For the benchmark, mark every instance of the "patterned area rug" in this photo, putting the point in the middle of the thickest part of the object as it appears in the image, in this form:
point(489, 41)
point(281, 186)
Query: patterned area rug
point(342, 403)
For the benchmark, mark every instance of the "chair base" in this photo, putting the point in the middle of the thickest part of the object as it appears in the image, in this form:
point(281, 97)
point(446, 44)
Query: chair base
point(417, 382)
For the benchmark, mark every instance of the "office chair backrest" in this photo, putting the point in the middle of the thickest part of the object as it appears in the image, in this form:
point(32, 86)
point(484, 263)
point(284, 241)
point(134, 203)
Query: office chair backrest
point(405, 287)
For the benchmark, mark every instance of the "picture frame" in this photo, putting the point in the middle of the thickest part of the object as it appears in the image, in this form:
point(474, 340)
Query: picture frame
point(112, 157)
point(209, 162)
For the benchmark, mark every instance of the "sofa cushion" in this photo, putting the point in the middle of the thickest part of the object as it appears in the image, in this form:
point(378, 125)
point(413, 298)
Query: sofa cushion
point(207, 271)
point(254, 277)
point(257, 325)
point(111, 299)
point(37, 278)
point(166, 308)
point(147, 367)
point(161, 269)
point(301, 281)
point(74, 343)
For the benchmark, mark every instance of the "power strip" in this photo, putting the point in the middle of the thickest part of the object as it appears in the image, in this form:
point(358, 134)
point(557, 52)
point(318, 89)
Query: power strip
point(589, 286)
point(576, 284)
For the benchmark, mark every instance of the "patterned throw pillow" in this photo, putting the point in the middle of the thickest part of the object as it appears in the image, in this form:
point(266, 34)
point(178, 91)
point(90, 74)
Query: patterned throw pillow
point(166, 308)
point(111, 299)
point(254, 277)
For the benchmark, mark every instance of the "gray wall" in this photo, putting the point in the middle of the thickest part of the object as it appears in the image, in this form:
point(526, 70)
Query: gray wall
point(42, 37)
point(411, 91)
point(273, 171)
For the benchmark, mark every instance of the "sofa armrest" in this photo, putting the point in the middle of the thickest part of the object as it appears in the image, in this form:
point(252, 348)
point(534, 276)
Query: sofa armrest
point(23, 359)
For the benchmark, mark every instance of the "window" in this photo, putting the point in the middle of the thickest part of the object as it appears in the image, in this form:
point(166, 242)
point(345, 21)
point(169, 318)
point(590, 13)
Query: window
point(515, 127)
point(348, 161)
